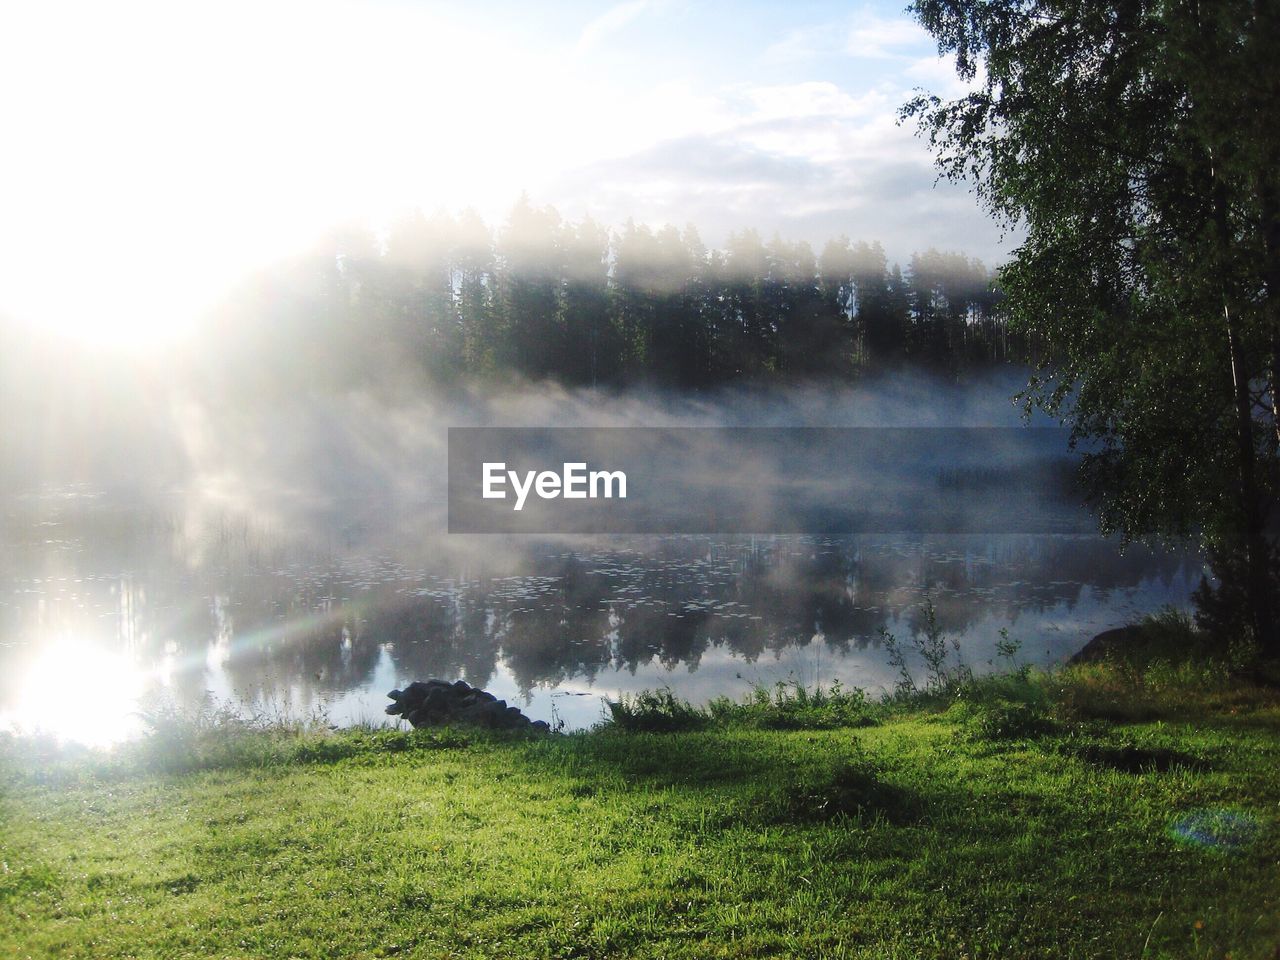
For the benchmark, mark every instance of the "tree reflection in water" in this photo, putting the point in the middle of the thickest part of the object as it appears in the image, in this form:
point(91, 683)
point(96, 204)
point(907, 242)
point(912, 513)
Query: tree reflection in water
point(276, 620)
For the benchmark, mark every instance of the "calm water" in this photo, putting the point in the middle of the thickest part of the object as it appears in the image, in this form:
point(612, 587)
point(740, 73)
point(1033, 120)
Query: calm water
point(107, 608)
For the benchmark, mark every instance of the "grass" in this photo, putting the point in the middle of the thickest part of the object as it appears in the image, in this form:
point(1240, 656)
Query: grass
point(1028, 815)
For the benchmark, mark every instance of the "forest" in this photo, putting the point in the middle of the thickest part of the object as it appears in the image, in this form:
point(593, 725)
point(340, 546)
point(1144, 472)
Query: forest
point(545, 299)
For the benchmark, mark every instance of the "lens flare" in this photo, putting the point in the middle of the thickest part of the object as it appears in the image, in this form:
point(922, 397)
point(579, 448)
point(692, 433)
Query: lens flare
point(1216, 829)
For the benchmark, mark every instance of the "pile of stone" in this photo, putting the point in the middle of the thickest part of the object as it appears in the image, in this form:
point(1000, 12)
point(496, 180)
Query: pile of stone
point(1110, 644)
point(438, 703)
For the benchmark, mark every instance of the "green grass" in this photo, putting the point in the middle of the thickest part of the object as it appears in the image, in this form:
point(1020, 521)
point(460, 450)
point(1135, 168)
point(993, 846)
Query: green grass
point(1008, 818)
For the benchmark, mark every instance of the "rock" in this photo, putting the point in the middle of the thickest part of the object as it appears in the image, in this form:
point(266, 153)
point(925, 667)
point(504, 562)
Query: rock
point(473, 713)
point(1108, 644)
point(439, 702)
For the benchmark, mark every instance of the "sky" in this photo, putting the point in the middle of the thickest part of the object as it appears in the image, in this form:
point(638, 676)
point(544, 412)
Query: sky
point(158, 151)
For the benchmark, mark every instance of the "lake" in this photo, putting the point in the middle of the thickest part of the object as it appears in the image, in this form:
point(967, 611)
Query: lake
point(110, 607)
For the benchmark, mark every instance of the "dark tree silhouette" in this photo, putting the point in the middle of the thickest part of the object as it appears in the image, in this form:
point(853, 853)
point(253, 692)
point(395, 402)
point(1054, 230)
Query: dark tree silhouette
point(438, 300)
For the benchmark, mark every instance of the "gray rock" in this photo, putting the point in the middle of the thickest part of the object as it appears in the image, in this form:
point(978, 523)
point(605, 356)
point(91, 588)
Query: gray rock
point(1109, 643)
point(472, 713)
point(438, 702)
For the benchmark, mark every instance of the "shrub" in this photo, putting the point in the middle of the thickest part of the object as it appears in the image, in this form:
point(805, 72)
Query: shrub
point(655, 711)
point(945, 670)
point(792, 706)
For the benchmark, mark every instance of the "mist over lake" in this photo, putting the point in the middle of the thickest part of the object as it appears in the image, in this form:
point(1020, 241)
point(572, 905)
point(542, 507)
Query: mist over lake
point(293, 561)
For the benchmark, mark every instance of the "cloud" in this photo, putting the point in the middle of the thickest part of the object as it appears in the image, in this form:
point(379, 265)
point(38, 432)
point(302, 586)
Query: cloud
point(801, 45)
point(611, 21)
point(809, 99)
point(938, 75)
point(722, 184)
point(864, 34)
point(810, 161)
point(880, 38)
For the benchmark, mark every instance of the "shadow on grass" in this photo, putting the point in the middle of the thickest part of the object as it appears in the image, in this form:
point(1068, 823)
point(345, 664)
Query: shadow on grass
point(739, 777)
point(1131, 757)
point(851, 790)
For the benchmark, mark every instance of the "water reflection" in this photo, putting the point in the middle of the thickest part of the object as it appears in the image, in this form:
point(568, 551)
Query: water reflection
point(100, 600)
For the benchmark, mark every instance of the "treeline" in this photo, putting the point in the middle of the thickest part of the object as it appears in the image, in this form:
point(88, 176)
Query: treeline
point(572, 302)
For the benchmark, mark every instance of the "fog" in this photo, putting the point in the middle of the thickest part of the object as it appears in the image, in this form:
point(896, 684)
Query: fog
point(258, 513)
point(370, 463)
point(291, 554)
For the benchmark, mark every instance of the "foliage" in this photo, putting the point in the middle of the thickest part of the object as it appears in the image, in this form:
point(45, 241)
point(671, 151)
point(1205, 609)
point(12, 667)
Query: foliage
point(786, 706)
point(945, 671)
point(1222, 602)
point(1127, 141)
point(999, 719)
point(1007, 649)
point(654, 711)
point(793, 706)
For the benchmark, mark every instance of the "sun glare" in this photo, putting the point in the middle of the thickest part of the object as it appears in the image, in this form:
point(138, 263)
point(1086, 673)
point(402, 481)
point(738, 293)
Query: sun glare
point(76, 692)
point(154, 178)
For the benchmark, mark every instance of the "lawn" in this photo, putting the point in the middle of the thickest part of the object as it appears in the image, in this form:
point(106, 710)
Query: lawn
point(959, 825)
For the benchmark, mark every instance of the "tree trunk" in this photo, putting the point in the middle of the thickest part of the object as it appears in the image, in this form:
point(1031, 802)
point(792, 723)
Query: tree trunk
point(1252, 515)
point(1257, 554)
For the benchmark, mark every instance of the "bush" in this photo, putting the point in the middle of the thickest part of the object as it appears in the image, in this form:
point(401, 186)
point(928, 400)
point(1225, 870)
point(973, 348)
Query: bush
point(945, 669)
point(655, 711)
point(786, 706)
point(792, 706)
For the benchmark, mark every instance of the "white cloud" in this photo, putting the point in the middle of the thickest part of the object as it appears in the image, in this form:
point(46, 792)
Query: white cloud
point(880, 38)
point(804, 44)
point(611, 21)
point(808, 99)
point(808, 160)
point(864, 34)
point(938, 76)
